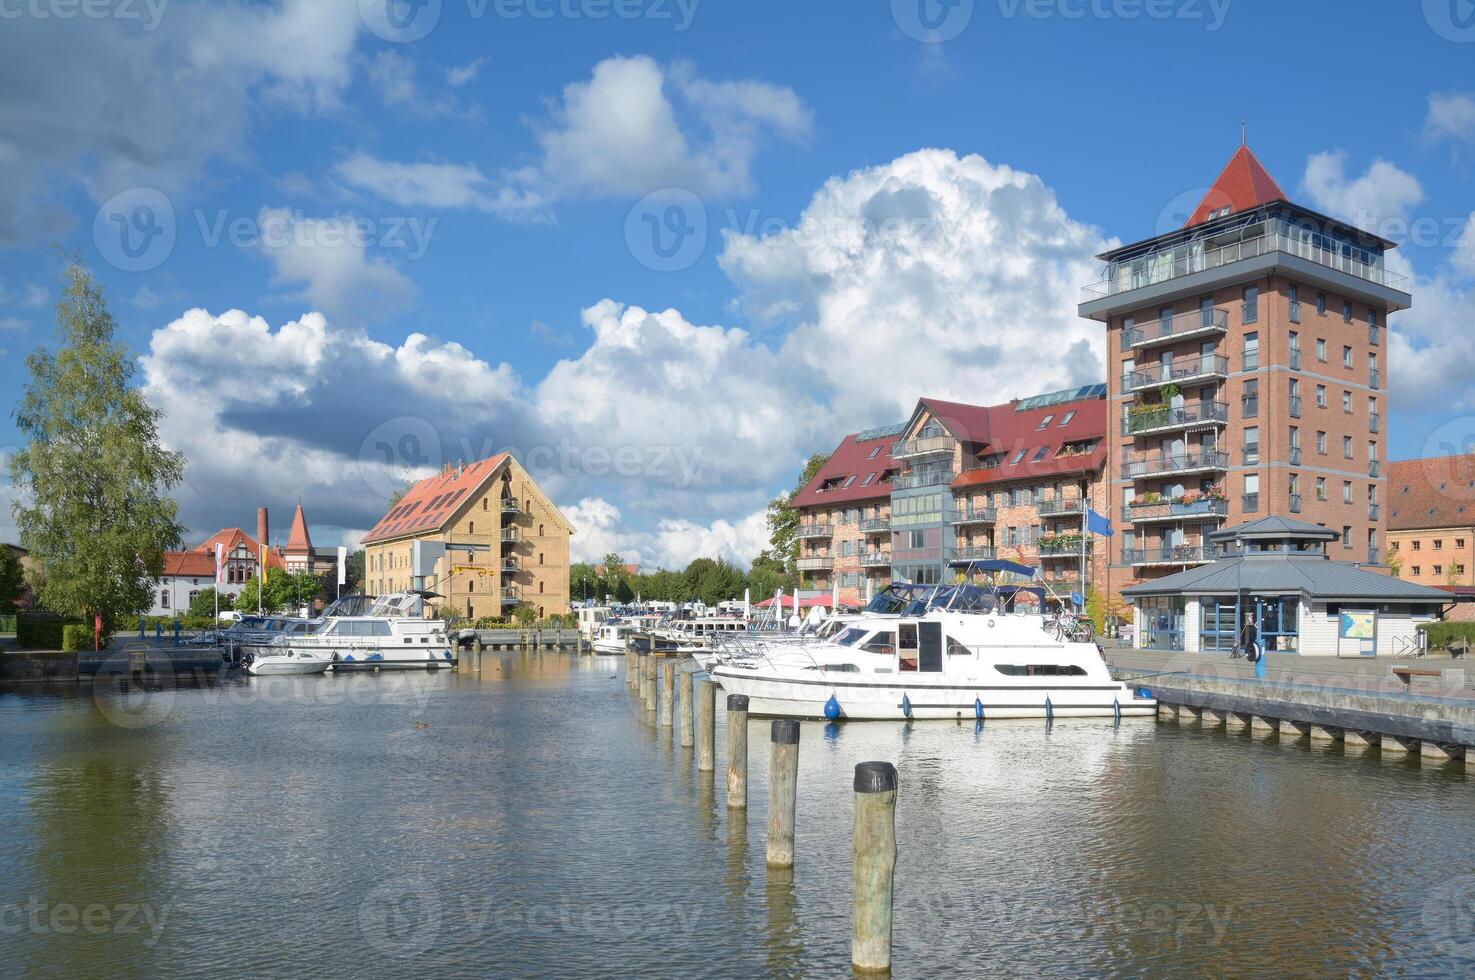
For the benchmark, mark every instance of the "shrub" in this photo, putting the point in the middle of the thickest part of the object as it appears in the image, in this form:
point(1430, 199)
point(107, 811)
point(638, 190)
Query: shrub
point(75, 638)
point(1442, 636)
point(42, 630)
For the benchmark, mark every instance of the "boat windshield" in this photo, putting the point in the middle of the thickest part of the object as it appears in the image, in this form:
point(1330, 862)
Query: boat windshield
point(349, 605)
point(851, 637)
point(401, 605)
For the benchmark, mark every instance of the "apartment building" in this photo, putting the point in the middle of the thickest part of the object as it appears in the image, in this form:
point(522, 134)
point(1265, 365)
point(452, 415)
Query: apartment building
point(1246, 367)
point(505, 543)
point(1431, 521)
point(955, 483)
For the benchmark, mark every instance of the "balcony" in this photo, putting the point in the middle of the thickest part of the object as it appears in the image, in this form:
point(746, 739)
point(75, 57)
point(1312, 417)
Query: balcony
point(1294, 503)
point(1250, 503)
point(1173, 554)
point(809, 531)
point(1183, 326)
point(875, 525)
point(1185, 370)
point(975, 552)
point(1373, 378)
point(976, 515)
point(1177, 510)
point(510, 506)
point(511, 597)
point(1374, 422)
point(1176, 263)
point(927, 446)
point(1372, 512)
point(1295, 456)
point(815, 563)
point(1068, 546)
point(1165, 464)
point(1060, 507)
point(1145, 420)
point(876, 559)
point(1373, 468)
point(1295, 406)
point(1064, 584)
point(1295, 359)
point(1374, 557)
point(923, 478)
point(509, 535)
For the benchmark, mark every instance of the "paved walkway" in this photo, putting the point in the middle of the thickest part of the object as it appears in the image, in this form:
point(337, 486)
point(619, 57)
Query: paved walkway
point(1363, 674)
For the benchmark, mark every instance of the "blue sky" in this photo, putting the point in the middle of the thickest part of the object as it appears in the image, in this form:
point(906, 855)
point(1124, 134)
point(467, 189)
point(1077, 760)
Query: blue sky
point(443, 245)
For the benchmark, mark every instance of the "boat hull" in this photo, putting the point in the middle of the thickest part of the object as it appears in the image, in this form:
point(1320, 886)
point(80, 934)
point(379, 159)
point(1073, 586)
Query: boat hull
point(425, 660)
point(273, 666)
point(948, 698)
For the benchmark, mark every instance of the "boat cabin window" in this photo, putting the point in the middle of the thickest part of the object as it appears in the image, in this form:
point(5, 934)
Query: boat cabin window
point(882, 642)
point(906, 646)
point(1040, 670)
point(956, 649)
point(850, 637)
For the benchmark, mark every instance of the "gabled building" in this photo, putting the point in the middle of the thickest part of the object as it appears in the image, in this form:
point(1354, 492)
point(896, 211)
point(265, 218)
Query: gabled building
point(299, 554)
point(515, 542)
point(1246, 375)
point(1431, 525)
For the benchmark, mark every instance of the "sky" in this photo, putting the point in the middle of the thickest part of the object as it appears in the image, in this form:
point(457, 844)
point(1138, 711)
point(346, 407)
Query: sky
point(666, 249)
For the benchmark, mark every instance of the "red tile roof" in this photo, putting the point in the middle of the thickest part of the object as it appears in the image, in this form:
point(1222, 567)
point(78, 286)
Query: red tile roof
point(1429, 493)
point(189, 564)
point(231, 538)
point(968, 422)
point(298, 543)
point(1241, 185)
point(858, 462)
point(431, 502)
point(1013, 431)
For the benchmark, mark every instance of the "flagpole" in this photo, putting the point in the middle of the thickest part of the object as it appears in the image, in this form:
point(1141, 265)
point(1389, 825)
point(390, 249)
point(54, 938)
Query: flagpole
point(1084, 534)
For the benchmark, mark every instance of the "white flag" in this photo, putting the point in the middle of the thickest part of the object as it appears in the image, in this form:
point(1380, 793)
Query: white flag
point(219, 563)
point(342, 565)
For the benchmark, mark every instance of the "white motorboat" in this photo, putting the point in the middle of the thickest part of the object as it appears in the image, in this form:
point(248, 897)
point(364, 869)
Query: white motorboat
point(942, 663)
point(612, 636)
point(288, 661)
point(393, 635)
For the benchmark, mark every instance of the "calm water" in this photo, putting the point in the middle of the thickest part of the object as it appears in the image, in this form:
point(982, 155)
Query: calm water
point(532, 823)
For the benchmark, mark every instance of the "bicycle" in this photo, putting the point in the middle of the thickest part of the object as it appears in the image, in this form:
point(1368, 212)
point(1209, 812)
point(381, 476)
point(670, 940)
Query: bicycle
point(1074, 629)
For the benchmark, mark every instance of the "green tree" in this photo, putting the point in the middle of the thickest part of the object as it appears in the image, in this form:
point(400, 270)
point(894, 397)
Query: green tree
point(783, 519)
point(12, 580)
point(398, 493)
point(767, 575)
point(583, 583)
point(714, 581)
point(92, 482)
point(282, 591)
point(354, 572)
point(203, 605)
point(525, 615)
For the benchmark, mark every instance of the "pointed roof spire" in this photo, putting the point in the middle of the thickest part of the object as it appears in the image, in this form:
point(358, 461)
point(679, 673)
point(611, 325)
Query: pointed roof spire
point(1244, 183)
point(298, 541)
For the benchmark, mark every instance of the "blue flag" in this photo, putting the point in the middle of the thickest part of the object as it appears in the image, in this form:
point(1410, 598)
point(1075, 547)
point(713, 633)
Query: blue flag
point(1096, 524)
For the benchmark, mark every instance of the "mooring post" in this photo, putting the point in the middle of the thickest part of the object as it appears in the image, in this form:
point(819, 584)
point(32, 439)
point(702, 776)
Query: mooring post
point(737, 751)
point(783, 778)
point(706, 726)
point(684, 679)
point(874, 865)
point(632, 664)
point(668, 682)
point(650, 682)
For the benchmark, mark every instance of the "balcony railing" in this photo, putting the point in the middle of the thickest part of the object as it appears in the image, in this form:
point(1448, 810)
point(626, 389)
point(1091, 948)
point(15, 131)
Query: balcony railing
point(1165, 417)
point(1249, 503)
point(1177, 554)
point(510, 506)
point(815, 563)
point(509, 566)
point(876, 559)
point(1181, 369)
point(1249, 456)
point(1295, 359)
point(1172, 510)
point(1372, 512)
point(1295, 456)
point(509, 535)
point(976, 515)
point(1166, 266)
point(1373, 378)
point(974, 552)
point(1295, 407)
point(1372, 467)
point(927, 446)
point(923, 478)
point(1294, 503)
point(1374, 557)
point(1064, 584)
point(1059, 506)
point(1067, 548)
point(511, 596)
point(1156, 464)
point(875, 525)
point(1374, 422)
point(1183, 326)
point(807, 531)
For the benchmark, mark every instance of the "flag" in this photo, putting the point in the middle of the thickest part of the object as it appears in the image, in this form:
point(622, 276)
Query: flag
point(342, 565)
point(219, 563)
point(1096, 524)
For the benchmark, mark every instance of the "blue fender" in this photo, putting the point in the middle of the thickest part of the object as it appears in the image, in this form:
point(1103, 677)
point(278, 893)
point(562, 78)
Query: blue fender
point(978, 709)
point(1049, 710)
point(832, 709)
point(906, 705)
point(1116, 711)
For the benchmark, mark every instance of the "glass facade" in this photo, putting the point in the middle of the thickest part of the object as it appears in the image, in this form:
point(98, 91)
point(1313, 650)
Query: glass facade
point(1162, 622)
point(1277, 618)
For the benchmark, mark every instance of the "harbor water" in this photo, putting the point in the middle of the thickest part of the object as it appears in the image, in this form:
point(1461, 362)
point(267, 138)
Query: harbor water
point(531, 820)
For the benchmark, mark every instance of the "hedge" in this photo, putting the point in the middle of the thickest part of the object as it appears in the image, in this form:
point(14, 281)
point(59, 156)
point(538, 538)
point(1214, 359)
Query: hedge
point(75, 638)
point(1441, 636)
point(43, 631)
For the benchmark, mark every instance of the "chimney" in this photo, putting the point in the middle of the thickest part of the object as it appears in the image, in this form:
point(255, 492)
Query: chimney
point(262, 527)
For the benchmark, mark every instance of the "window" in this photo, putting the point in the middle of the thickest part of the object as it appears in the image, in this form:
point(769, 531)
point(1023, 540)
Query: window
point(1416, 569)
point(1320, 443)
point(1252, 351)
point(1346, 535)
point(1347, 402)
point(1206, 311)
point(1320, 349)
point(1250, 399)
point(844, 486)
point(1416, 545)
point(164, 599)
point(1018, 456)
point(1321, 396)
point(1045, 422)
point(1066, 419)
point(470, 527)
point(1438, 544)
point(1250, 308)
point(874, 451)
point(1252, 445)
point(1459, 542)
point(1295, 300)
point(1321, 488)
point(1346, 312)
point(1252, 492)
point(1321, 304)
point(1346, 447)
point(483, 503)
point(1438, 569)
point(1372, 326)
point(1346, 356)
point(1346, 491)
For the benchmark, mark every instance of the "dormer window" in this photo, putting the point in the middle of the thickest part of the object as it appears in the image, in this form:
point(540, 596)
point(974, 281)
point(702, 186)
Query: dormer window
point(874, 451)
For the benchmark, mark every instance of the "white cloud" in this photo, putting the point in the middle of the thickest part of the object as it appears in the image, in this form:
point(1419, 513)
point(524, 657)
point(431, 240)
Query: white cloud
point(431, 185)
point(1379, 199)
point(145, 298)
point(549, 336)
point(395, 77)
point(329, 259)
point(13, 323)
point(1451, 117)
point(1463, 259)
point(965, 272)
point(458, 75)
point(149, 107)
point(35, 295)
point(673, 544)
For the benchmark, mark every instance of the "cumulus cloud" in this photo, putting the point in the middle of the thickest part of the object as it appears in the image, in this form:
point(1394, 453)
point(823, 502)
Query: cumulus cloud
point(1378, 199)
point(967, 270)
point(632, 128)
point(150, 107)
point(672, 544)
point(1451, 117)
point(329, 258)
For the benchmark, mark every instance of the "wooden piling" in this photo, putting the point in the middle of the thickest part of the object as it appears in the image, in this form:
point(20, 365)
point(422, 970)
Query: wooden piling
point(706, 712)
point(783, 779)
point(874, 844)
point(668, 682)
point(631, 662)
point(684, 679)
point(648, 683)
point(737, 751)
